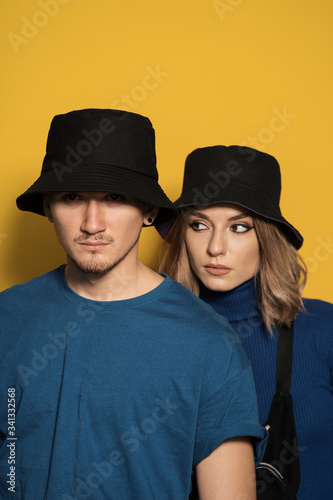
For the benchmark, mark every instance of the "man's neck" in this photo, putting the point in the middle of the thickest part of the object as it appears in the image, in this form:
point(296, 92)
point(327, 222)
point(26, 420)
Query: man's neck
point(117, 284)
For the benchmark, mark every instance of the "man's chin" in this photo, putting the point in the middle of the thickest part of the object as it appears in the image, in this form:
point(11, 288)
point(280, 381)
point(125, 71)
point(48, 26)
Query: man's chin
point(97, 269)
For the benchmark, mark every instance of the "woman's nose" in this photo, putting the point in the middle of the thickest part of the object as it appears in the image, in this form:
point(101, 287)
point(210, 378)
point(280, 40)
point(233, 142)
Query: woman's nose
point(217, 244)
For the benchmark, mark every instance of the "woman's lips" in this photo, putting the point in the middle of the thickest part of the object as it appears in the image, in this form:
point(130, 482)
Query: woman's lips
point(217, 270)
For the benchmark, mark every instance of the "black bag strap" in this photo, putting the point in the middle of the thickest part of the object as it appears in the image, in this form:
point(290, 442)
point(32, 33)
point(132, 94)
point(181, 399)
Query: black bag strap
point(284, 359)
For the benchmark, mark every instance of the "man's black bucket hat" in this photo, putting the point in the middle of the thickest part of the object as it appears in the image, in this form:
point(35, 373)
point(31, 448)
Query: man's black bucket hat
point(99, 150)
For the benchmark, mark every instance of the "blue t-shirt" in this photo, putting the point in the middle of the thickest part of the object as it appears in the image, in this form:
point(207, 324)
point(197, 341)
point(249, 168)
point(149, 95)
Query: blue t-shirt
point(116, 400)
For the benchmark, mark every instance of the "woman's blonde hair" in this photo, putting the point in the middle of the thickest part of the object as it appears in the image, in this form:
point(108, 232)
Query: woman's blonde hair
point(279, 281)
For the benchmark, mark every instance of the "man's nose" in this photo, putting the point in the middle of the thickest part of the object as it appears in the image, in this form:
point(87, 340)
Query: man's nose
point(93, 218)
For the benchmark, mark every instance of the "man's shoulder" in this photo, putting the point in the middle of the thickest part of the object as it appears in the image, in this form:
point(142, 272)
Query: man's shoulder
point(39, 284)
point(177, 292)
point(182, 302)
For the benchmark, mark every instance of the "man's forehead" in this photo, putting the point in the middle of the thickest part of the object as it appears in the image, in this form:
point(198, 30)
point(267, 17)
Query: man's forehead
point(95, 195)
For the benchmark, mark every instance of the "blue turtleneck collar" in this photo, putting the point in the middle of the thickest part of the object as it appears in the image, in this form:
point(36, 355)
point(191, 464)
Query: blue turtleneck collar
point(237, 304)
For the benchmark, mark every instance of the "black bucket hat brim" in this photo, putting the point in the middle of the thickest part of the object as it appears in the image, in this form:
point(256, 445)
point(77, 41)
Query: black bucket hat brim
point(238, 175)
point(287, 229)
point(100, 150)
point(98, 178)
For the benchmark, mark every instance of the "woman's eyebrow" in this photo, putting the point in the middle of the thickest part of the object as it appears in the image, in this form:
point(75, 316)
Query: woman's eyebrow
point(239, 216)
point(199, 214)
point(231, 219)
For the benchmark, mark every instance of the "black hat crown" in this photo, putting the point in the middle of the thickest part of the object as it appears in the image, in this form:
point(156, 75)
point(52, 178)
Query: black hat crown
point(99, 150)
point(240, 175)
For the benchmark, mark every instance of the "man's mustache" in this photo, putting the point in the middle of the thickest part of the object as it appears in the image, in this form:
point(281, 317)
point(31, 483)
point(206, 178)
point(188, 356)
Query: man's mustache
point(84, 239)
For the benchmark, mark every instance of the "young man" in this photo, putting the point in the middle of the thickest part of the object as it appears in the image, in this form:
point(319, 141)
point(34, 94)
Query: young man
point(114, 372)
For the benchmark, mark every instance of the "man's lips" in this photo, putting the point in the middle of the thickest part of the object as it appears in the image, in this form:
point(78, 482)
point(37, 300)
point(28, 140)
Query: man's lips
point(217, 269)
point(93, 245)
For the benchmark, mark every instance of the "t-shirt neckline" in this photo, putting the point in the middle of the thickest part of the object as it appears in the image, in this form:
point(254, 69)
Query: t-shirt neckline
point(75, 298)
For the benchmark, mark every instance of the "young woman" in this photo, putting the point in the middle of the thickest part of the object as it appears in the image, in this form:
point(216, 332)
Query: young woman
point(231, 246)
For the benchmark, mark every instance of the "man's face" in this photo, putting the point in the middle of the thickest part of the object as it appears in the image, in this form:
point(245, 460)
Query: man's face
point(98, 231)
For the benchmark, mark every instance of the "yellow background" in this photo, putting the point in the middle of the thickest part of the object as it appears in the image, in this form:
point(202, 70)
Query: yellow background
point(220, 71)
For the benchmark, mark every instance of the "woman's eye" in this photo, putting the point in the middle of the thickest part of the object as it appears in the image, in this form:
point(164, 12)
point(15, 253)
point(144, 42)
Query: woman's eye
point(240, 228)
point(198, 226)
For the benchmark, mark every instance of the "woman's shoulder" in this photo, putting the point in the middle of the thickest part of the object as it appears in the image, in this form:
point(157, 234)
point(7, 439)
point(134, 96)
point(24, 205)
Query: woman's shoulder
point(314, 329)
point(316, 306)
point(317, 314)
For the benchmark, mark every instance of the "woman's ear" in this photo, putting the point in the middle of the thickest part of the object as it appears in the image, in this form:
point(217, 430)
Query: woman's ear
point(47, 207)
point(150, 214)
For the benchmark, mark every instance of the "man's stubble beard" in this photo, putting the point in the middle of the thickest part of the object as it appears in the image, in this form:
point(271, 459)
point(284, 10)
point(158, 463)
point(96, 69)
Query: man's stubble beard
point(97, 268)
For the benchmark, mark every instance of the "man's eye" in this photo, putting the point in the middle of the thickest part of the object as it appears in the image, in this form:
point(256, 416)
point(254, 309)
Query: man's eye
point(240, 228)
point(115, 197)
point(70, 197)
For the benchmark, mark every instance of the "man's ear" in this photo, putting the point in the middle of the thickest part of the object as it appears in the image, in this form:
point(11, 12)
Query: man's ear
point(150, 213)
point(47, 207)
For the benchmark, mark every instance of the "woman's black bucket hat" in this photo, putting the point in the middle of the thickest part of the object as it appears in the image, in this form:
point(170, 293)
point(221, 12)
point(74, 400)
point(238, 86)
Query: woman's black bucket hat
point(235, 174)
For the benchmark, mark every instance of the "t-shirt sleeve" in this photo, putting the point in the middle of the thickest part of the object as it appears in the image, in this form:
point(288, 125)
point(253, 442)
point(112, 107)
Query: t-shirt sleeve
point(228, 403)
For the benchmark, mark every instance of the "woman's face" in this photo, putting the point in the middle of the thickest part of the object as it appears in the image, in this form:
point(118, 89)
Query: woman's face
point(222, 246)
